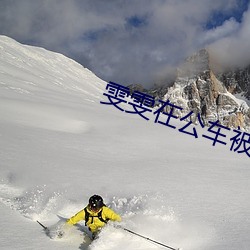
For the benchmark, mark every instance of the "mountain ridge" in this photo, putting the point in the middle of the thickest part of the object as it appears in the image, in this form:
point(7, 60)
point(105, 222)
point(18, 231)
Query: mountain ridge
point(200, 88)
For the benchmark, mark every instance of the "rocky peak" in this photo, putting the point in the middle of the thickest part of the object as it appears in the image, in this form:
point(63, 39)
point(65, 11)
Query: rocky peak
point(198, 89)
point(197, 64)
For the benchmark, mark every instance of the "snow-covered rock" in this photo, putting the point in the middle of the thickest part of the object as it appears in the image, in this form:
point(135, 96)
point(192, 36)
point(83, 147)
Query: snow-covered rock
point(197, 89)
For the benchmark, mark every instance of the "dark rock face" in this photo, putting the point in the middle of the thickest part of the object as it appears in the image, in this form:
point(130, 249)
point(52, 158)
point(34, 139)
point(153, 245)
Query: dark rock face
point(136, 87)
point(237, 81)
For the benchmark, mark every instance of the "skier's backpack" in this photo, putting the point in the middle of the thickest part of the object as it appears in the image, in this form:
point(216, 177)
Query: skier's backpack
point(88, 216)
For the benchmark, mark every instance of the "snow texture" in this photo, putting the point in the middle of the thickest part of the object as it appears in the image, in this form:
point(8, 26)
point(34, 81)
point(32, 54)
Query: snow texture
point(59, 146)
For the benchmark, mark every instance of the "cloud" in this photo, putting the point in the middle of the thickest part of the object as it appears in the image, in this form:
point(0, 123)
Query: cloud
point(233, 49)
point(124, 41)
point(228, 28)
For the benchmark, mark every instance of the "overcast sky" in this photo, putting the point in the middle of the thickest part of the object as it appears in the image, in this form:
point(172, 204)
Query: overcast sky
point(131, 41)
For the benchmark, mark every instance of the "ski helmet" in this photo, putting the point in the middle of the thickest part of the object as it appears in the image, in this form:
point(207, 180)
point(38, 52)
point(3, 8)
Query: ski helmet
point(95, 202)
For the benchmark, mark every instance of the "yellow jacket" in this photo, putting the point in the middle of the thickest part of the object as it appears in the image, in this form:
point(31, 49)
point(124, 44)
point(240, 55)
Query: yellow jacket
point(94, 223)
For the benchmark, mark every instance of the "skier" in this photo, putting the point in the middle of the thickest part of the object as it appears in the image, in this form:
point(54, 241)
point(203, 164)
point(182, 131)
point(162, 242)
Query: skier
point(95, 214)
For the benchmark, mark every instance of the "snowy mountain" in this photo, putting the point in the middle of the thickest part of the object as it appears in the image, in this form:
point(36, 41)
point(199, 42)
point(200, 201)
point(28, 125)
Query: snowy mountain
point(60, 145)
point(237, 81)
point(197, 89)
point(214, 95)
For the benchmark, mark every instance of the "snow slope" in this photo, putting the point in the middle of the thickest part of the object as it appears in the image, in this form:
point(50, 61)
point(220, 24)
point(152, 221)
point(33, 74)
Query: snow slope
point(59, 146)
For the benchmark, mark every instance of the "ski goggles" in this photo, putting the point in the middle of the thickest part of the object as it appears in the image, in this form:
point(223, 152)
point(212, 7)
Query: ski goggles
point(94, 208)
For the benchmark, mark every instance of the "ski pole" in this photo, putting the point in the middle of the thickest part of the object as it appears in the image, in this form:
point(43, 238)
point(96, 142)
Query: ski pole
point(146, 238)
point(45, 228)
